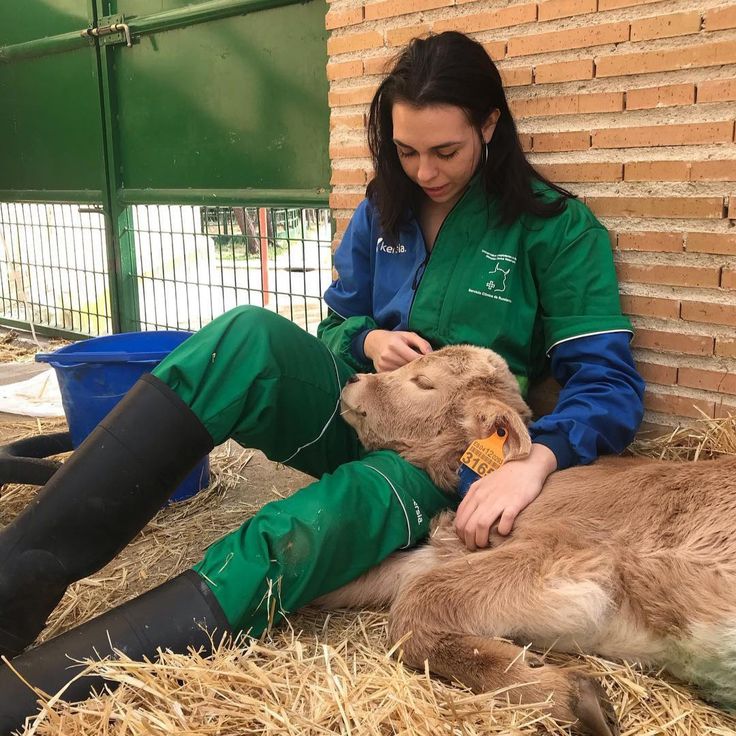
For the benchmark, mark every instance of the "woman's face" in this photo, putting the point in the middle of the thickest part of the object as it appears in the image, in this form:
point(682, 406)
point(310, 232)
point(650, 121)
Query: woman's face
point(438, 148)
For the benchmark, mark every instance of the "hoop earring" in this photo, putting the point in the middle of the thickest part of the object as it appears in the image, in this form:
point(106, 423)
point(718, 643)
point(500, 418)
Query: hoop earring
point(485, 154)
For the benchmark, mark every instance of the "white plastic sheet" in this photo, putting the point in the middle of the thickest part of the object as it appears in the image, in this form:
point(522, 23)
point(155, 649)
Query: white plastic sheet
point(38, 396)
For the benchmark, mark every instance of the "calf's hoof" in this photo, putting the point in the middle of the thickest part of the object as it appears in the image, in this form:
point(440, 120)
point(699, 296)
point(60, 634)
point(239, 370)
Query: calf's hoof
point(592, 708)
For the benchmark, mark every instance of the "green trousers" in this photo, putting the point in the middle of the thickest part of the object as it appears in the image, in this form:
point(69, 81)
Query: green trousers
point(257, 378)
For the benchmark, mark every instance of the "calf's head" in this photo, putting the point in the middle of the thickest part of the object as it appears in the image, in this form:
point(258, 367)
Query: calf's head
point(431, 409)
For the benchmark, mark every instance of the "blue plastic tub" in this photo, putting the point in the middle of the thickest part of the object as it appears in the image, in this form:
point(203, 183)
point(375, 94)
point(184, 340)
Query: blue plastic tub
point(95, 374)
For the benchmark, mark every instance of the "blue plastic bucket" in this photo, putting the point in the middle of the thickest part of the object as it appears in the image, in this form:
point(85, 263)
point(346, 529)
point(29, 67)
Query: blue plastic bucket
point(95, 374)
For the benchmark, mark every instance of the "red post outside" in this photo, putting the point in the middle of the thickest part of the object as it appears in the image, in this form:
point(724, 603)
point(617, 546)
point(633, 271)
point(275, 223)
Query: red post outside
point(263, 229)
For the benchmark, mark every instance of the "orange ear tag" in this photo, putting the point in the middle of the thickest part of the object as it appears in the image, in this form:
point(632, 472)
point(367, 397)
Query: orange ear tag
point(481, 458)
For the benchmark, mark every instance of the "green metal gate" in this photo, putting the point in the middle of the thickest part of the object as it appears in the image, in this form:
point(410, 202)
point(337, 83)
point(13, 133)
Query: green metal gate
point(209, 118)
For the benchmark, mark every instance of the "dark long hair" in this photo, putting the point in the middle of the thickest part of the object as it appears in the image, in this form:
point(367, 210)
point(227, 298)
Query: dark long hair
point(451, 69)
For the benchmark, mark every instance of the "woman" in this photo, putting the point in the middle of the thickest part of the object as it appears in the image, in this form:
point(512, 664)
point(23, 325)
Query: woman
point(459, 240)
point(505, 259)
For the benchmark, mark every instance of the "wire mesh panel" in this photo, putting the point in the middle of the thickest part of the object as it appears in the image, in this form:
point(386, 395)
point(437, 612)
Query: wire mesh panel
point(191, 264)
point(53, 267)
point(194, 263)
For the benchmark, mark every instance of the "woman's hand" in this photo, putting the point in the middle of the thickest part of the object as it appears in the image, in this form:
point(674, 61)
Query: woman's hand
point(500, 496)
point(390, 349)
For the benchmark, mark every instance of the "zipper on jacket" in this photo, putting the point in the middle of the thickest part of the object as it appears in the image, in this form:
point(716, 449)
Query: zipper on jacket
point(422, 267)
point(419, 273)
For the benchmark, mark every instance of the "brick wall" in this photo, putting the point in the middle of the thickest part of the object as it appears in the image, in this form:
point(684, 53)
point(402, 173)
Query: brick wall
point(631, 105)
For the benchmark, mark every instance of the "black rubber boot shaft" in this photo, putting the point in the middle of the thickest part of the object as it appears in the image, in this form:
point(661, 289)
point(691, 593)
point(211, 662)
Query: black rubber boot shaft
point(175, 616)
point(95, 504)
point(24, 461)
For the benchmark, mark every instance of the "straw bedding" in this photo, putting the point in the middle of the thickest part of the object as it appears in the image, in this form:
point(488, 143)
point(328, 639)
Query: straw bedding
point(324, 673)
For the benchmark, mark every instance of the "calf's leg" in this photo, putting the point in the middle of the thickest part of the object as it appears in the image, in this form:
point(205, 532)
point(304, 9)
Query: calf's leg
point(378, 587)
point(490, 665)
point(449, 614)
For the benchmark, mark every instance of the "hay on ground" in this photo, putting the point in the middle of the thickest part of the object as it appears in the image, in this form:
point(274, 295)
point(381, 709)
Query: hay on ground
point(704, 439)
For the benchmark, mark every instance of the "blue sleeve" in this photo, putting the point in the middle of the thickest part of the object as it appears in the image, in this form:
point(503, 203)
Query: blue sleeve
point(350, 294)
point(600, 405)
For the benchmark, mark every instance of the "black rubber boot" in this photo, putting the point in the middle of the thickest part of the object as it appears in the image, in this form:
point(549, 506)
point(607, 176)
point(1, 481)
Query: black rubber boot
point(24, 461)
point(175, 616)
point(100, 498)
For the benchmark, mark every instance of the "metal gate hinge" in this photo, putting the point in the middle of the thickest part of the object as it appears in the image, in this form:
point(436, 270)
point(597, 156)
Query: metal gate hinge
point(111, 30)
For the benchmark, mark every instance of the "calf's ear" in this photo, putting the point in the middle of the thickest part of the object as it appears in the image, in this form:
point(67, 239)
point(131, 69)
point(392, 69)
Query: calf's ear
point(484, 416)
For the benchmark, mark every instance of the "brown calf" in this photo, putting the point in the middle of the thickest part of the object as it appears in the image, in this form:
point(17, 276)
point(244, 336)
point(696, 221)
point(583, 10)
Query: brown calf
point(627, 558)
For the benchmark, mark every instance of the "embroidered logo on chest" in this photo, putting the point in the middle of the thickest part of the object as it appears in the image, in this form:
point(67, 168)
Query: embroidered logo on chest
point(382, 247)
point(496, 276)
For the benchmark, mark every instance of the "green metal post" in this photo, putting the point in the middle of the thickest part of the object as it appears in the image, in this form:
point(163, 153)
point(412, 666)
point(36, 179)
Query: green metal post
point(128, 306)
point(119, 231)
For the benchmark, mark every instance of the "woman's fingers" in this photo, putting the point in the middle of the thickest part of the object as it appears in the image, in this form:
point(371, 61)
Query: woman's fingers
point(417, 342)
point(399, 349)
point(474, 522)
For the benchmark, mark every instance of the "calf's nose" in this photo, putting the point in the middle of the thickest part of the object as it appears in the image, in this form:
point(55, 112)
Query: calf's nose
point(353, 379)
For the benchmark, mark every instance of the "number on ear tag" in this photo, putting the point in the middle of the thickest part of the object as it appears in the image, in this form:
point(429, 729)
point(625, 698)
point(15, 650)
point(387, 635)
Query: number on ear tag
point(486, 455)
